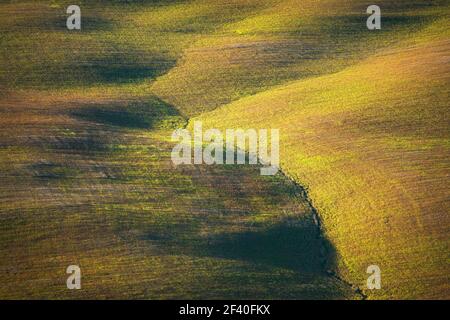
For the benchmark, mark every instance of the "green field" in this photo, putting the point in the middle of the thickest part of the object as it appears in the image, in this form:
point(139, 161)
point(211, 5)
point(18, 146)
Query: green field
point(86, 176)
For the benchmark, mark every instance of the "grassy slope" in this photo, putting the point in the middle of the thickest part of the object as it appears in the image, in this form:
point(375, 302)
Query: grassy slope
point(88, 188)
point(371, 143)
point(86, 176)
point(213, 54)
point(286, 40)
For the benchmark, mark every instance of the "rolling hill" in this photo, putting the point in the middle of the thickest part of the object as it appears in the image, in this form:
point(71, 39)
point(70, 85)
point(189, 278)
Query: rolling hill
point(371, 145)
point(86, 176)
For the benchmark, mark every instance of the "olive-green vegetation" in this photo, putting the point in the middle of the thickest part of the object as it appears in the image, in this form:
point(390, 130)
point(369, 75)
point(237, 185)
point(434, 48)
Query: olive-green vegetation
point(93, 185)
point(86, 176)
point(87, 179)
point(371, 144)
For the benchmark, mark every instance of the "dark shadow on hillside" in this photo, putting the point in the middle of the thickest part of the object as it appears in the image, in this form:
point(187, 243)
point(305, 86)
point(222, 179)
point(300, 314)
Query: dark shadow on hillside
point(298, 248)
point(124, 67)
point(291, 241)
point(120, 67)
point(135, 115)
point(88, 67)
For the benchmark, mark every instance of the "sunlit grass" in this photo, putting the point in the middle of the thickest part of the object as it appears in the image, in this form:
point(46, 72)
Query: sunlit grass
point(86, 120)
point(371, 146)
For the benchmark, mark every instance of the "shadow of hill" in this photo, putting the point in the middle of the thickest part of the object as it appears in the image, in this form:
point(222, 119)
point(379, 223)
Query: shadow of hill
point(292, 247)
point(135, 115)
point(231, 224)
